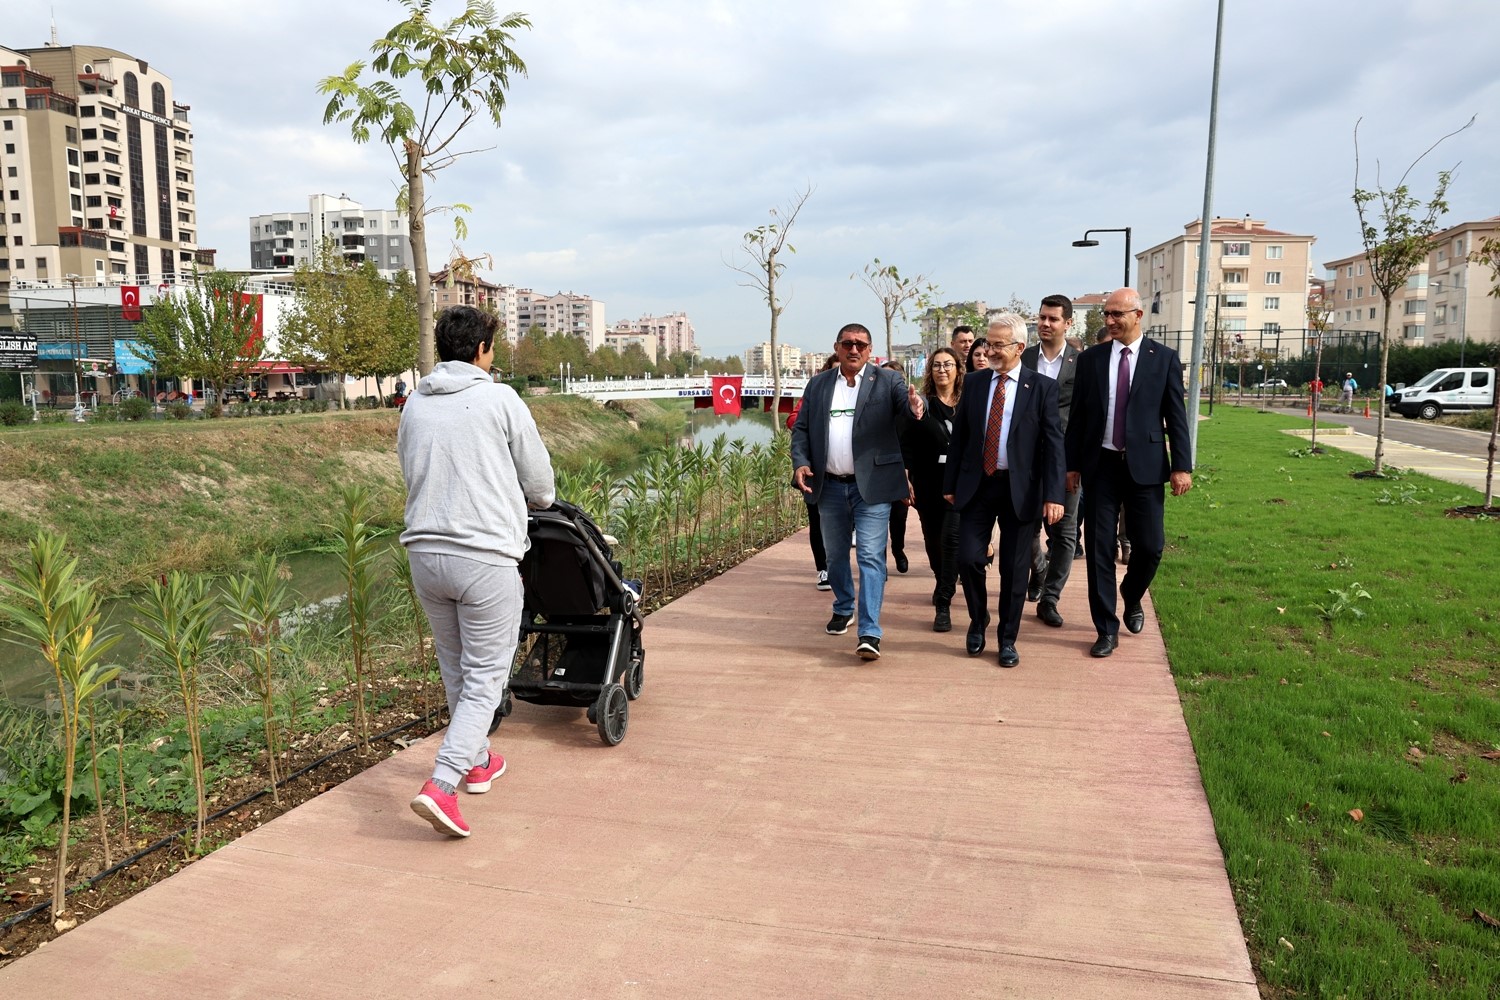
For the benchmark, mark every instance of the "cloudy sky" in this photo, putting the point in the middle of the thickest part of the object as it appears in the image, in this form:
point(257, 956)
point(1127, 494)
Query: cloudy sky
point(969, 141)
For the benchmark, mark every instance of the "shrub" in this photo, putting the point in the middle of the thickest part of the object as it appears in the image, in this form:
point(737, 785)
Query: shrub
point(13, 413)
point(135, 408)
point(179, 411)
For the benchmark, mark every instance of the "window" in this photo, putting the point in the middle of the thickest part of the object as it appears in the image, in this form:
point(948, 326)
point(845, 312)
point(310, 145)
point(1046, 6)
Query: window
point(1372, 312)
point(73, 157)
point(1234, 300)
point(1236, 249)
point(1359, 292)
point(1414, 331)
point(302, 244)
point(15, 196)
point(87, 111)
point(112, 179)
point(91, 178)
point(1273, 302)
point(1349, 271)
point(1458, 247)
point(75, 202)
point(109, 112)
point(116, 246)
point(15, 217)
point(395, 260)
point(112, 158)
point(1273, 252)
point(1235, 325)
point(110, 135)
point(91, 156)
point(16, 241)
point(1234, 277)
point(91, 133)
point(10, 171)
point(1359, 269)
point(302, 226)
point(9, 126)
point(1273, 277)
point(1442, 254)
point(1441, 316)
point(1416, 307)
point(10, 147)
point(1271, 328)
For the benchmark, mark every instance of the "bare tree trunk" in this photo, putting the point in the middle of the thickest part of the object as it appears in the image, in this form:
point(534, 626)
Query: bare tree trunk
point(1489, 469)
point(415, 207)
point(889, 350)
point(1385, 357)
point(775, 354)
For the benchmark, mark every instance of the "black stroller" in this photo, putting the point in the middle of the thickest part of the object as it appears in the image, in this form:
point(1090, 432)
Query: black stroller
point(586, 622)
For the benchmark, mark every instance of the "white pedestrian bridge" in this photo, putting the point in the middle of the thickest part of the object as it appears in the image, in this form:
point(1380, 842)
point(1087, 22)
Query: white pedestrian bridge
point(685, 387)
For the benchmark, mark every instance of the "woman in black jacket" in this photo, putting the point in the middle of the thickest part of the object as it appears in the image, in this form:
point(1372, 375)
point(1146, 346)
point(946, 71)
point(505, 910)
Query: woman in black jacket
point(924, 447)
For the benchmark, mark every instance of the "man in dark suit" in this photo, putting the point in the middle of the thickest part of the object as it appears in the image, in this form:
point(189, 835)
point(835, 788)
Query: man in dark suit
point(1005, 461)
point(846, 457)
point(1127, 403)
point(1057, 359)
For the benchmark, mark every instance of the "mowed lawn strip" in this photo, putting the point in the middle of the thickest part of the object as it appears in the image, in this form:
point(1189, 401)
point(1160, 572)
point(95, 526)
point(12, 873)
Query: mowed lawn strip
point(1302, 710)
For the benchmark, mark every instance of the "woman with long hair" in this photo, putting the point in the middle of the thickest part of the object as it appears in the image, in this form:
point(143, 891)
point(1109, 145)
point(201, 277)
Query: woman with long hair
point(924, 446)
point(979, 357)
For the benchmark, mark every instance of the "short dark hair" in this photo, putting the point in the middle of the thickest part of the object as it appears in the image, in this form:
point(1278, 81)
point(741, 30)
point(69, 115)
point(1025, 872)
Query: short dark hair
point(1060, 301)
point(463, 331)
point(960, 329)
point(855, 328)
point(895, 366)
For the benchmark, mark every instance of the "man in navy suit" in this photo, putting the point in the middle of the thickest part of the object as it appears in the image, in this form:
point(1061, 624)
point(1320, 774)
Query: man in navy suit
point(1005, 461)
point(846, 457)
point(1057, 359)
point(1127, 405)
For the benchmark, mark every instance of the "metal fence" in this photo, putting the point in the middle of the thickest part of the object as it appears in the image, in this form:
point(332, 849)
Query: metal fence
point(1251, 357)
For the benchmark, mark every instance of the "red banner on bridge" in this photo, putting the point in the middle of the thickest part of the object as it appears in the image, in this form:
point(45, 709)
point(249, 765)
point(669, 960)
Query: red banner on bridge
point(726, 389)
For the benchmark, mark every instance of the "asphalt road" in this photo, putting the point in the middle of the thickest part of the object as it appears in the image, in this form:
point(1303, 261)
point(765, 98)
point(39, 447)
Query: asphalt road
point(1423, 433)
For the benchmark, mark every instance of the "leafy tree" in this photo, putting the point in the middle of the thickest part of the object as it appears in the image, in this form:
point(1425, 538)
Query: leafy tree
point(1395, 243)
point(1319, 320)
point(893, 291)
point(340, 318)
point(1020, 307)
point(1093, 322)
point(760, 247)
point(461, 67)
point(207, 332)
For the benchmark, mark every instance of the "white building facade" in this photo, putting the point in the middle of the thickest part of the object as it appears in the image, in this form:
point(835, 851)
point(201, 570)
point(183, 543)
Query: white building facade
point(279, 241)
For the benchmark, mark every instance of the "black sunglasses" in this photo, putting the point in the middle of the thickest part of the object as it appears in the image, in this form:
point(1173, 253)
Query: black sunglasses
point(855, 345)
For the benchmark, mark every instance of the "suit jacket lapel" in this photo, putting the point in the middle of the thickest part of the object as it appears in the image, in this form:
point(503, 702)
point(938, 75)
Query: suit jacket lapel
point(866, 380)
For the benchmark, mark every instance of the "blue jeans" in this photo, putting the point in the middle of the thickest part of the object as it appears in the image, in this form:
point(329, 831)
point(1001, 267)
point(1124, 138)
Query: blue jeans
point(845, 514)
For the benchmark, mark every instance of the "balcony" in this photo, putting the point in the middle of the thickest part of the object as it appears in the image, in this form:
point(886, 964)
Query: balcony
point(353, 243)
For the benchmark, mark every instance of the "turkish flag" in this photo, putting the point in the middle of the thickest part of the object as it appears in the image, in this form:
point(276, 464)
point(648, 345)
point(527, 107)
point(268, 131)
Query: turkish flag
point(130, 303)
point(726, 390)
point(114, 210)
point(257, 304)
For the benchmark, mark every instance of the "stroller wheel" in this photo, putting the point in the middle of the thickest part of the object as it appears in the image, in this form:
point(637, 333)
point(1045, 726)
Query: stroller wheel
point(635, 676)
point(503, 709)
point(613, 712)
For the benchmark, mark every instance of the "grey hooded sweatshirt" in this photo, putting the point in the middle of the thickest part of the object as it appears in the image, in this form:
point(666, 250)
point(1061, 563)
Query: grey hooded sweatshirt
point(472, 460)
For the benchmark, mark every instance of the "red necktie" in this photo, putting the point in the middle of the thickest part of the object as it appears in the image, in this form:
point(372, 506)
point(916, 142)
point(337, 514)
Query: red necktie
point(1122, 396)
point(992, 428)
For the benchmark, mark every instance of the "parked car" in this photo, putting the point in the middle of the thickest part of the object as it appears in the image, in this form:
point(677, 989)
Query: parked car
point(1445, 390)
point(1273, 383)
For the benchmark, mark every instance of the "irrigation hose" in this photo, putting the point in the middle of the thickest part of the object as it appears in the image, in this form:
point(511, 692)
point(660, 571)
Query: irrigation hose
point(174, 837)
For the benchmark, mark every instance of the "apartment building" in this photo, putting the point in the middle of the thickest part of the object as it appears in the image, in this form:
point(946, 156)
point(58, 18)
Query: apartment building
point(758, 358)
point(1260, 274)
point(566, 312)
point(1354, 304)
point(1460, 308)
point(451, 288)
point(674, 332)
point(96, 172)
point(623, 340)
point(279, 241)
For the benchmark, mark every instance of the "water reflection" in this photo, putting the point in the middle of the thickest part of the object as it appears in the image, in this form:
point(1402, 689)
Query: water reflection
point(750, 427)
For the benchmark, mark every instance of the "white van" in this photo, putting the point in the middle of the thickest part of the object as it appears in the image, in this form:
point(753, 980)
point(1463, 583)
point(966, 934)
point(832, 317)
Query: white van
point(1447, 390)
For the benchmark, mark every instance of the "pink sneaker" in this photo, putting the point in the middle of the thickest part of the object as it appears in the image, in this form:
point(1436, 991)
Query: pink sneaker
point(441, 810)
point(479, 779)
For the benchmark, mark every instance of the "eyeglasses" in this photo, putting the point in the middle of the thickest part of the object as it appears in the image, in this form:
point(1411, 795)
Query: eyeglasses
point(841, 413)
point(1118, 313)
point(855, 345)
point(943, 366)
point(997, 347)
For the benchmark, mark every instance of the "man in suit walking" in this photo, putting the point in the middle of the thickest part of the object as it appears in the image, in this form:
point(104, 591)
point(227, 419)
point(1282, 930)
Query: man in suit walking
point(1127, 392)
point(1057, 359)
point(846, 458)
point(1005, 462)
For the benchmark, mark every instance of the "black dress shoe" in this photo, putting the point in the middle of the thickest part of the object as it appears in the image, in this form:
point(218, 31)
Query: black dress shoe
point(974, 641)
point(941, 622)
point(1034, 591)
point(1047, 612)
point(1008, 655)
point(1135, 618)
point(902, 563)
point(1104, 646)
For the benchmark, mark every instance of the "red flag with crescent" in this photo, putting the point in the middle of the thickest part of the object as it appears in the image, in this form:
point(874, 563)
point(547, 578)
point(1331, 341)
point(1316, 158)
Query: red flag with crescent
point(726, 390)
point(130, 303)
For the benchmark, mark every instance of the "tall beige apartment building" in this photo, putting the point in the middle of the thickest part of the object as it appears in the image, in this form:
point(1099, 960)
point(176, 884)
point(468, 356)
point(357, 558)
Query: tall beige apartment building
point(1260, 275)
point(758, 359)
point(1459, 306)
point(1355, 305)
point(96, 172)
point(674, 333)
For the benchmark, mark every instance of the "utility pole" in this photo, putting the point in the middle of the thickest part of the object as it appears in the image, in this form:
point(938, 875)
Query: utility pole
point(78, 411)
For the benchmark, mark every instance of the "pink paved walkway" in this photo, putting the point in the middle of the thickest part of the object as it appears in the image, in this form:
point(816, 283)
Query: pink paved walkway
point(781, 821)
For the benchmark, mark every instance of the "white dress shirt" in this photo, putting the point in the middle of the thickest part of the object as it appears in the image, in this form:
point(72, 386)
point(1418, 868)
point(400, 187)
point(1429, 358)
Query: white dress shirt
point(1010, 408)
point(1115, 348)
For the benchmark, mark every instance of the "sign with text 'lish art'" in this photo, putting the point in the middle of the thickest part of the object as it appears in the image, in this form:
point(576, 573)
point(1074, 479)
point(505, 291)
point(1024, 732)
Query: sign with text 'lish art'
point(17, 350)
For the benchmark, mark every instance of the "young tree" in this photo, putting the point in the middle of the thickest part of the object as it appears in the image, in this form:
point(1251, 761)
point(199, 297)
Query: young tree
point(761, 246)
point(1020, 307)
point(207, 332)
point(1489, 255)
point(1395, 242)
point(461, 68)
point(893, 291)
point(1319, 320)
point(1093, 322)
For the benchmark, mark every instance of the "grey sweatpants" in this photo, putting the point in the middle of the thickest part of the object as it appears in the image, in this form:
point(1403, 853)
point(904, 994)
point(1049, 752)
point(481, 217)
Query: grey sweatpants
point(475, 612)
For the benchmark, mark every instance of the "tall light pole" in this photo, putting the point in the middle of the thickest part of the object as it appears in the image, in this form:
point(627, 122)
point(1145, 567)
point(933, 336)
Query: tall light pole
point(73, 280)
point(1086, 242)
point(1206, 225)
point(1458, 309)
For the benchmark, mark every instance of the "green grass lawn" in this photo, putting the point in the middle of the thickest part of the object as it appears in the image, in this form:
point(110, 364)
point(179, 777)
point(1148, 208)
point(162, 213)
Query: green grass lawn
point(1304, 705)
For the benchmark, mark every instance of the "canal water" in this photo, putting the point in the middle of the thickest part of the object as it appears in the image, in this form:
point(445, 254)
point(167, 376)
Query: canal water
point(316, 578)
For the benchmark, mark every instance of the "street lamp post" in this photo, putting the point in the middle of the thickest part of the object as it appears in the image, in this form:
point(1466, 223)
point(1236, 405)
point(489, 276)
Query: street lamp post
point(78, 413)
point(1086, 242)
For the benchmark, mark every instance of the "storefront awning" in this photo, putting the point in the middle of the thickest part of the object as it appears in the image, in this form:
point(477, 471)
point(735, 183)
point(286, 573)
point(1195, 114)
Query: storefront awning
point(277, 368)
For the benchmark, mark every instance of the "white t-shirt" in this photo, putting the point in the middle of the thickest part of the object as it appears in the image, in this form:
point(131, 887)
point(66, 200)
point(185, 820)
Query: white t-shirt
point(841, 425)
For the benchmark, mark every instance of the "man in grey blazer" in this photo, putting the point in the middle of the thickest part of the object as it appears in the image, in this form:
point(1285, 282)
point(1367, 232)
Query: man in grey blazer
point(847, 458)
point(1055, 358)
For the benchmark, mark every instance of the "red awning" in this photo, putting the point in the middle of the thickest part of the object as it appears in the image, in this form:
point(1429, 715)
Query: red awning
point(277, 368)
